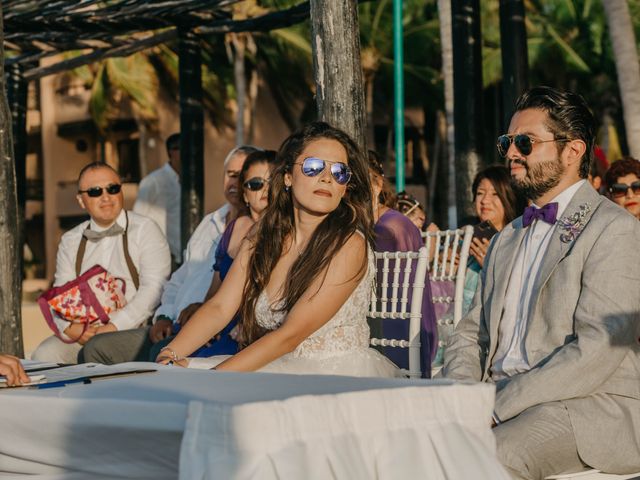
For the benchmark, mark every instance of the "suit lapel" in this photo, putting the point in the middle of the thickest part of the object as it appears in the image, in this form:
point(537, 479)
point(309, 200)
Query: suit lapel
point(558, 246)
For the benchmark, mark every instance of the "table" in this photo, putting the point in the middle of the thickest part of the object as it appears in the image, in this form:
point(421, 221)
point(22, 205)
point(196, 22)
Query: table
point(200, 424)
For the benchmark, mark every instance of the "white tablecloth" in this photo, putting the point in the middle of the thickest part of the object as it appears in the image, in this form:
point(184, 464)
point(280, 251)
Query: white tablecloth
point(200, 424)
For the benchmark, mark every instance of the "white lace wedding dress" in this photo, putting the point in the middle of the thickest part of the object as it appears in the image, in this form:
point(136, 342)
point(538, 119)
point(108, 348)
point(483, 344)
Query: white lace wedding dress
point(339, 347)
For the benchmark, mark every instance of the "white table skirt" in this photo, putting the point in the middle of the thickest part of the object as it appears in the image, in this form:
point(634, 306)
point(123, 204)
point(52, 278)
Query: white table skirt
point(249, 426)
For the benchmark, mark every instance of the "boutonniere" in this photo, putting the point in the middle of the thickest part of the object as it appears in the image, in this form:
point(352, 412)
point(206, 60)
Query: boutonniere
point(572, 225)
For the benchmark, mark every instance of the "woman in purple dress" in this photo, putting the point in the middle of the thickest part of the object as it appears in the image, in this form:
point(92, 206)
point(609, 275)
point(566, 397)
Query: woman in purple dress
point(395, 232)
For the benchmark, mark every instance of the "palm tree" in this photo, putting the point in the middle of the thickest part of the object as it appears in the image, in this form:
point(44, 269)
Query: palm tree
point(626, 58)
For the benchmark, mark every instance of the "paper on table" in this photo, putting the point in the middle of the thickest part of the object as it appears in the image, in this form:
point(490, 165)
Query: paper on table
point(30, 365)
point(90, 370)
point(34, 380)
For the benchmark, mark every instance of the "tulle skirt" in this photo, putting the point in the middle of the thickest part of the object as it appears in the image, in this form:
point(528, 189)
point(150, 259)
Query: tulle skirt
point(361, 362)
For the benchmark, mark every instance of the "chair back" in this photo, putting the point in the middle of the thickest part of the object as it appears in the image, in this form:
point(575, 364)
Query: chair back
point(447, 280)
point(398, 295)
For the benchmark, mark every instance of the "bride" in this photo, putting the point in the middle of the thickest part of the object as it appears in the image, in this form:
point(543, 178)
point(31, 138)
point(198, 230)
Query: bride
point(302, 279)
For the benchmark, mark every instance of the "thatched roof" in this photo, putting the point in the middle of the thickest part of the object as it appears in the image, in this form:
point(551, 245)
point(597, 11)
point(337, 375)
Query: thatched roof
point(35, 29)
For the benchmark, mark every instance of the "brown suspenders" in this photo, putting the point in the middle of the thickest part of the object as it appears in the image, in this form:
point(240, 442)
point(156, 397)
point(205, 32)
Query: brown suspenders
point(125, 246)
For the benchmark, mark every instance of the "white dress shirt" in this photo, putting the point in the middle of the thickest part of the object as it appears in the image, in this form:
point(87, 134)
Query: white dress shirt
point(159, 199)
point(510, 357)
point(148, 250)
point(189, 284)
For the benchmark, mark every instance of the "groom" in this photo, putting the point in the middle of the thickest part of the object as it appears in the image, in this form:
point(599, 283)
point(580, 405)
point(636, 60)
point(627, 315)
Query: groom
point(555, 322)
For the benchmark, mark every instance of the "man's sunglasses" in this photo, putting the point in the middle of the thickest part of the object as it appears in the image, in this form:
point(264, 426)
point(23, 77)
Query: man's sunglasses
point(95, 192)
point(312, 166)
point(255, 184)
point(524, 143)
point(618, 190)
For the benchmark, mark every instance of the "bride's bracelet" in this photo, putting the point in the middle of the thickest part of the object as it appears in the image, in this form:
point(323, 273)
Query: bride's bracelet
point(174, 355)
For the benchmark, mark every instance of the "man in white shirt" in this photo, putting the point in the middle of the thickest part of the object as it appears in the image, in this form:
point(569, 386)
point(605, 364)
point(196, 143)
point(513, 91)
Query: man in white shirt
point(159, 197)
point(188, 285)
point(554, 322)
point(100, 194)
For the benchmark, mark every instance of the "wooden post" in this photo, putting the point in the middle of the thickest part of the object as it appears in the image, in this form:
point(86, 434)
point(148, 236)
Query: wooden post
point(515, 63)
point(337, 67)
point(191, 133)
point(10, 254)
point(467, 106)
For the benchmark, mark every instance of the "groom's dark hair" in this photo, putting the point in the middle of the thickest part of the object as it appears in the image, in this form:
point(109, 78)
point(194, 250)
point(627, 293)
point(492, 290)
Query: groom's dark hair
point(569, 117)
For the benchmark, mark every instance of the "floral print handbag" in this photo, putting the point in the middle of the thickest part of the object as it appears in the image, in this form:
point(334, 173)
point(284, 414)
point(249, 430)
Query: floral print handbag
point(87, 299)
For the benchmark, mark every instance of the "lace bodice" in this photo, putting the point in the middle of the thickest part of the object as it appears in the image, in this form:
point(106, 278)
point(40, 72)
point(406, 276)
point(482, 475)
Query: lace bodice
point(346, 331)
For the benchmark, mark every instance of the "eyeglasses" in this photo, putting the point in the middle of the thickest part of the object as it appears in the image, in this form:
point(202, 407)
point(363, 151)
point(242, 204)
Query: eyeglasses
point(312, 166)
point(524, 143)
point(95, 192)
point(255, 184)
point(618, 190)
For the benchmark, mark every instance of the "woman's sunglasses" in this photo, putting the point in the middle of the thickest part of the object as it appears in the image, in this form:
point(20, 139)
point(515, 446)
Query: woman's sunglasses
point(618, 190)
point(312, 166)
point(255, 184)
point(96, 192)
point(524, 143)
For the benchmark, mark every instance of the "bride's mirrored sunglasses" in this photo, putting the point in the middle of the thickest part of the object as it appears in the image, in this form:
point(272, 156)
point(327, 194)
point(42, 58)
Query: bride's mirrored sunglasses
point(313, 166)
point(96, 192)
point(523, 142)
point(255, 184)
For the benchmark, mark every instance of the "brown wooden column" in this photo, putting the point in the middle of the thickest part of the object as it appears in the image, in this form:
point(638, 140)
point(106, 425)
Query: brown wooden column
point(191, 133)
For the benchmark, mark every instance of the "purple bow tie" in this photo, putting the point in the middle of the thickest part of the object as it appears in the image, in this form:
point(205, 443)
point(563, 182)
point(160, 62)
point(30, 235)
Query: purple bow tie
point(547, 214)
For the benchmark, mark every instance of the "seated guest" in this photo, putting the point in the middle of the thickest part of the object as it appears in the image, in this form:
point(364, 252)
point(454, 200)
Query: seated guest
point(555, 323)
point(302, 281)
point(159, 197)
point(623, 184)
point(187, 285)
point(254, 178)
point(394, 232)
point(407, 205)
point(599, 166)
point(496, 204)
point(11, 369)
point(127, 245)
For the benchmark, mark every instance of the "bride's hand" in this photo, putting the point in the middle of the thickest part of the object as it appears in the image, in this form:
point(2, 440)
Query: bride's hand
point(169, 357)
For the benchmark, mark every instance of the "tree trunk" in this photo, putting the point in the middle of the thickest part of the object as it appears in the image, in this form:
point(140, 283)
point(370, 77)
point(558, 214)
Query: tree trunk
point(467, 87)
point(191, 134)
point(337, 66)
point(626, 57)
point(17, 90)
point(448, 189)
point(10, 254)
point(515, 63)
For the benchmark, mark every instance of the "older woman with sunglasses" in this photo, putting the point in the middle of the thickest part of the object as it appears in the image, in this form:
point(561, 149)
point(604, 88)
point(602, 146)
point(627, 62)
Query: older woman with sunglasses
point(254, 180)
point(623, 184)
point(302, 279)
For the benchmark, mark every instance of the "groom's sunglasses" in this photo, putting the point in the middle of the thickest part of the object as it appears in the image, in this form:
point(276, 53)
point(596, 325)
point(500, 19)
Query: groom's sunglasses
point(95, 192)
point(523, 142)
point(255, 184)
point(618, 190)
point(312, 166)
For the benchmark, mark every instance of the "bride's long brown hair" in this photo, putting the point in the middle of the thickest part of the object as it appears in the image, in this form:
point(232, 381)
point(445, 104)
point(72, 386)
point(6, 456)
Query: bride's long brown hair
point(277, 225)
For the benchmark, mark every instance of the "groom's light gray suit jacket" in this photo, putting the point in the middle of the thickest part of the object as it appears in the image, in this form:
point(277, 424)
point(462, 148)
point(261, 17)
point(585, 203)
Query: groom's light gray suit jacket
point(582, 332)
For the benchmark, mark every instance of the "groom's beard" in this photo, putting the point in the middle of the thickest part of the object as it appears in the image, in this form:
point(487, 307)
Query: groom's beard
point(539, 178)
